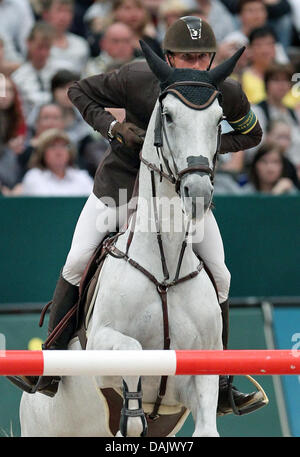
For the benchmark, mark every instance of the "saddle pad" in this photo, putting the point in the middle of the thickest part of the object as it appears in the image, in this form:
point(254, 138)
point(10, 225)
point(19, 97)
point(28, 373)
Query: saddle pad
point(169, 422)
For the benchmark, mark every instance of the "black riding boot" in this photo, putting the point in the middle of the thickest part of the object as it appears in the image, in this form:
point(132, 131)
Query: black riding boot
point(64, 298)
point(230, 399)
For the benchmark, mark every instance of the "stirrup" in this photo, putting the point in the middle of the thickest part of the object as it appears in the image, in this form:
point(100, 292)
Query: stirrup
point(20, 382)
point(259, 401)
point(32, 388)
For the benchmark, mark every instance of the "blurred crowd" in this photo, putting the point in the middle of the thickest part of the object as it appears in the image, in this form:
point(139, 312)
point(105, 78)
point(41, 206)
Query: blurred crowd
point(47, 149)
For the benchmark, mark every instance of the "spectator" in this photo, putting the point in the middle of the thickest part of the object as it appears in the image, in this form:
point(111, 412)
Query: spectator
point(262, 54)
point(267, 174)
point(280, 133)
point(134, 14)
point(279, 17)
point(49, 116)
point(9, 60)
point(53, 172)
point(12, 135)
point(12, 122)
point(116, 46)
point(16, 22)
point(226, 183)
point(67, 47)
point(79, 132)
point(252, 14)
point(34, 76)
point(277, 83)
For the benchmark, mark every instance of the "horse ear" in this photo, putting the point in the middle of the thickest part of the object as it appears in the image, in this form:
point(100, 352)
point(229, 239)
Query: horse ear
point(158, 66)
point(225, 69)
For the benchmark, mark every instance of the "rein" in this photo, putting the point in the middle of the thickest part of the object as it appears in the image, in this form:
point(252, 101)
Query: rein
point(110, 247)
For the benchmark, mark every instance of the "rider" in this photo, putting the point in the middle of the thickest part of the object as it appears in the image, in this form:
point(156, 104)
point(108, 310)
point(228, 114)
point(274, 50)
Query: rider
point(189, 43)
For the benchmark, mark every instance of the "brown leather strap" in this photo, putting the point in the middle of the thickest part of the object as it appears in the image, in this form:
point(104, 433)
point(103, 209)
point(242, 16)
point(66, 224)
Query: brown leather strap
point(43, 313)
point(203, 168)
point(163, 382)
point(60, 327)
point(153, 167)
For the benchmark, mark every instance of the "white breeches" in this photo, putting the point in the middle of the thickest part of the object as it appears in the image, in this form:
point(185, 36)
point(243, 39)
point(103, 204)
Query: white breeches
point(211, 251)
point(97, 220)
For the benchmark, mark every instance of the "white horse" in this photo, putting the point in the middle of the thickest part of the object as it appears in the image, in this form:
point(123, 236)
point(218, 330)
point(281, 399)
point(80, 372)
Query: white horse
point(127, 313)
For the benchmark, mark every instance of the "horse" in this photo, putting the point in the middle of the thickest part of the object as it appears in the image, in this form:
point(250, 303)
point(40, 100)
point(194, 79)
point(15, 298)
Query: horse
point(153, 292)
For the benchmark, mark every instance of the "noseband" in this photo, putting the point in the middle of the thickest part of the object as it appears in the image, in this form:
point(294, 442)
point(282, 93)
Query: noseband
point(160, 133)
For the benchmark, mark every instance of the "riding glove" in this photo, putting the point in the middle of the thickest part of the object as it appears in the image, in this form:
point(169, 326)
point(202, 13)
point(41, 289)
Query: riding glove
point(128, 134)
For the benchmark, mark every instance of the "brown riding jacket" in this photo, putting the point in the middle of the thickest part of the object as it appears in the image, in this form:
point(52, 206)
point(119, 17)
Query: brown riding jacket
point(135, 88)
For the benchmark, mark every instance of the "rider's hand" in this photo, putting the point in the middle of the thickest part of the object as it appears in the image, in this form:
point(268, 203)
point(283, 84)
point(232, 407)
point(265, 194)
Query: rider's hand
point(128, 134)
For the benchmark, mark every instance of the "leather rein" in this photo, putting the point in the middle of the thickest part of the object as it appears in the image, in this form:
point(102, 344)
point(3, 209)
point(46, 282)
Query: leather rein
point(111, 249)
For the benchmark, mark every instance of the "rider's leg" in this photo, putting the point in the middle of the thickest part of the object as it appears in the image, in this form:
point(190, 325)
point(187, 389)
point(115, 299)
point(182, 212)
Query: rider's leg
point(211, 251)
point(95, 222)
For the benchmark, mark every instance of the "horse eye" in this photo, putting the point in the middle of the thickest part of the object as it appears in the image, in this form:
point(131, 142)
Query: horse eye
point(168, 117)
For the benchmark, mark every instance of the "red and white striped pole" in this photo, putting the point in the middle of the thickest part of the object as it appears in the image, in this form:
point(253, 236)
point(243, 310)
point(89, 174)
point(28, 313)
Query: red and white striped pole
point(150, 363)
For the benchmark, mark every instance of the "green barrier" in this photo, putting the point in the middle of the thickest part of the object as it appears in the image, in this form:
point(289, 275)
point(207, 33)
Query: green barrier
point(246, 333)
point(261, 239)
point(21, 331)
point(260, 234)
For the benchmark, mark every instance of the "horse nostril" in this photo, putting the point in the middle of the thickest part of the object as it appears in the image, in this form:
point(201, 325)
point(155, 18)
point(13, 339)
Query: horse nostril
point(186, 191)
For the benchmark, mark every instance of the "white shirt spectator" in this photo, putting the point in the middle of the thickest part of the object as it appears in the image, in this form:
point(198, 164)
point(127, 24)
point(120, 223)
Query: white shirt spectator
point(16, 22)
point(34, 85)
point(44, 183)
point(10, 52)
point(75, 55)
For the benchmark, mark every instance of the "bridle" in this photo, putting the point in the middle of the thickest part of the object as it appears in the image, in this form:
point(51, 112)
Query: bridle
point(175, 178)
point(160, 134)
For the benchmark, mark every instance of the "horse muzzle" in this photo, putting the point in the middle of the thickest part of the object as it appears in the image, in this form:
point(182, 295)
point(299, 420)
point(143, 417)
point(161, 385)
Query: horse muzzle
point(196, 194)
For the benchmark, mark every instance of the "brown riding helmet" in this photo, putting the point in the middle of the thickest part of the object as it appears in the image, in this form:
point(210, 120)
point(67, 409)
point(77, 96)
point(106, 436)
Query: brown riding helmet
point(190, 34)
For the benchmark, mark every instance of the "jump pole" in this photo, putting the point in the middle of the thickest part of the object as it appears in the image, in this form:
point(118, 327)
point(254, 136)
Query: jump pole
point(150, 362)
